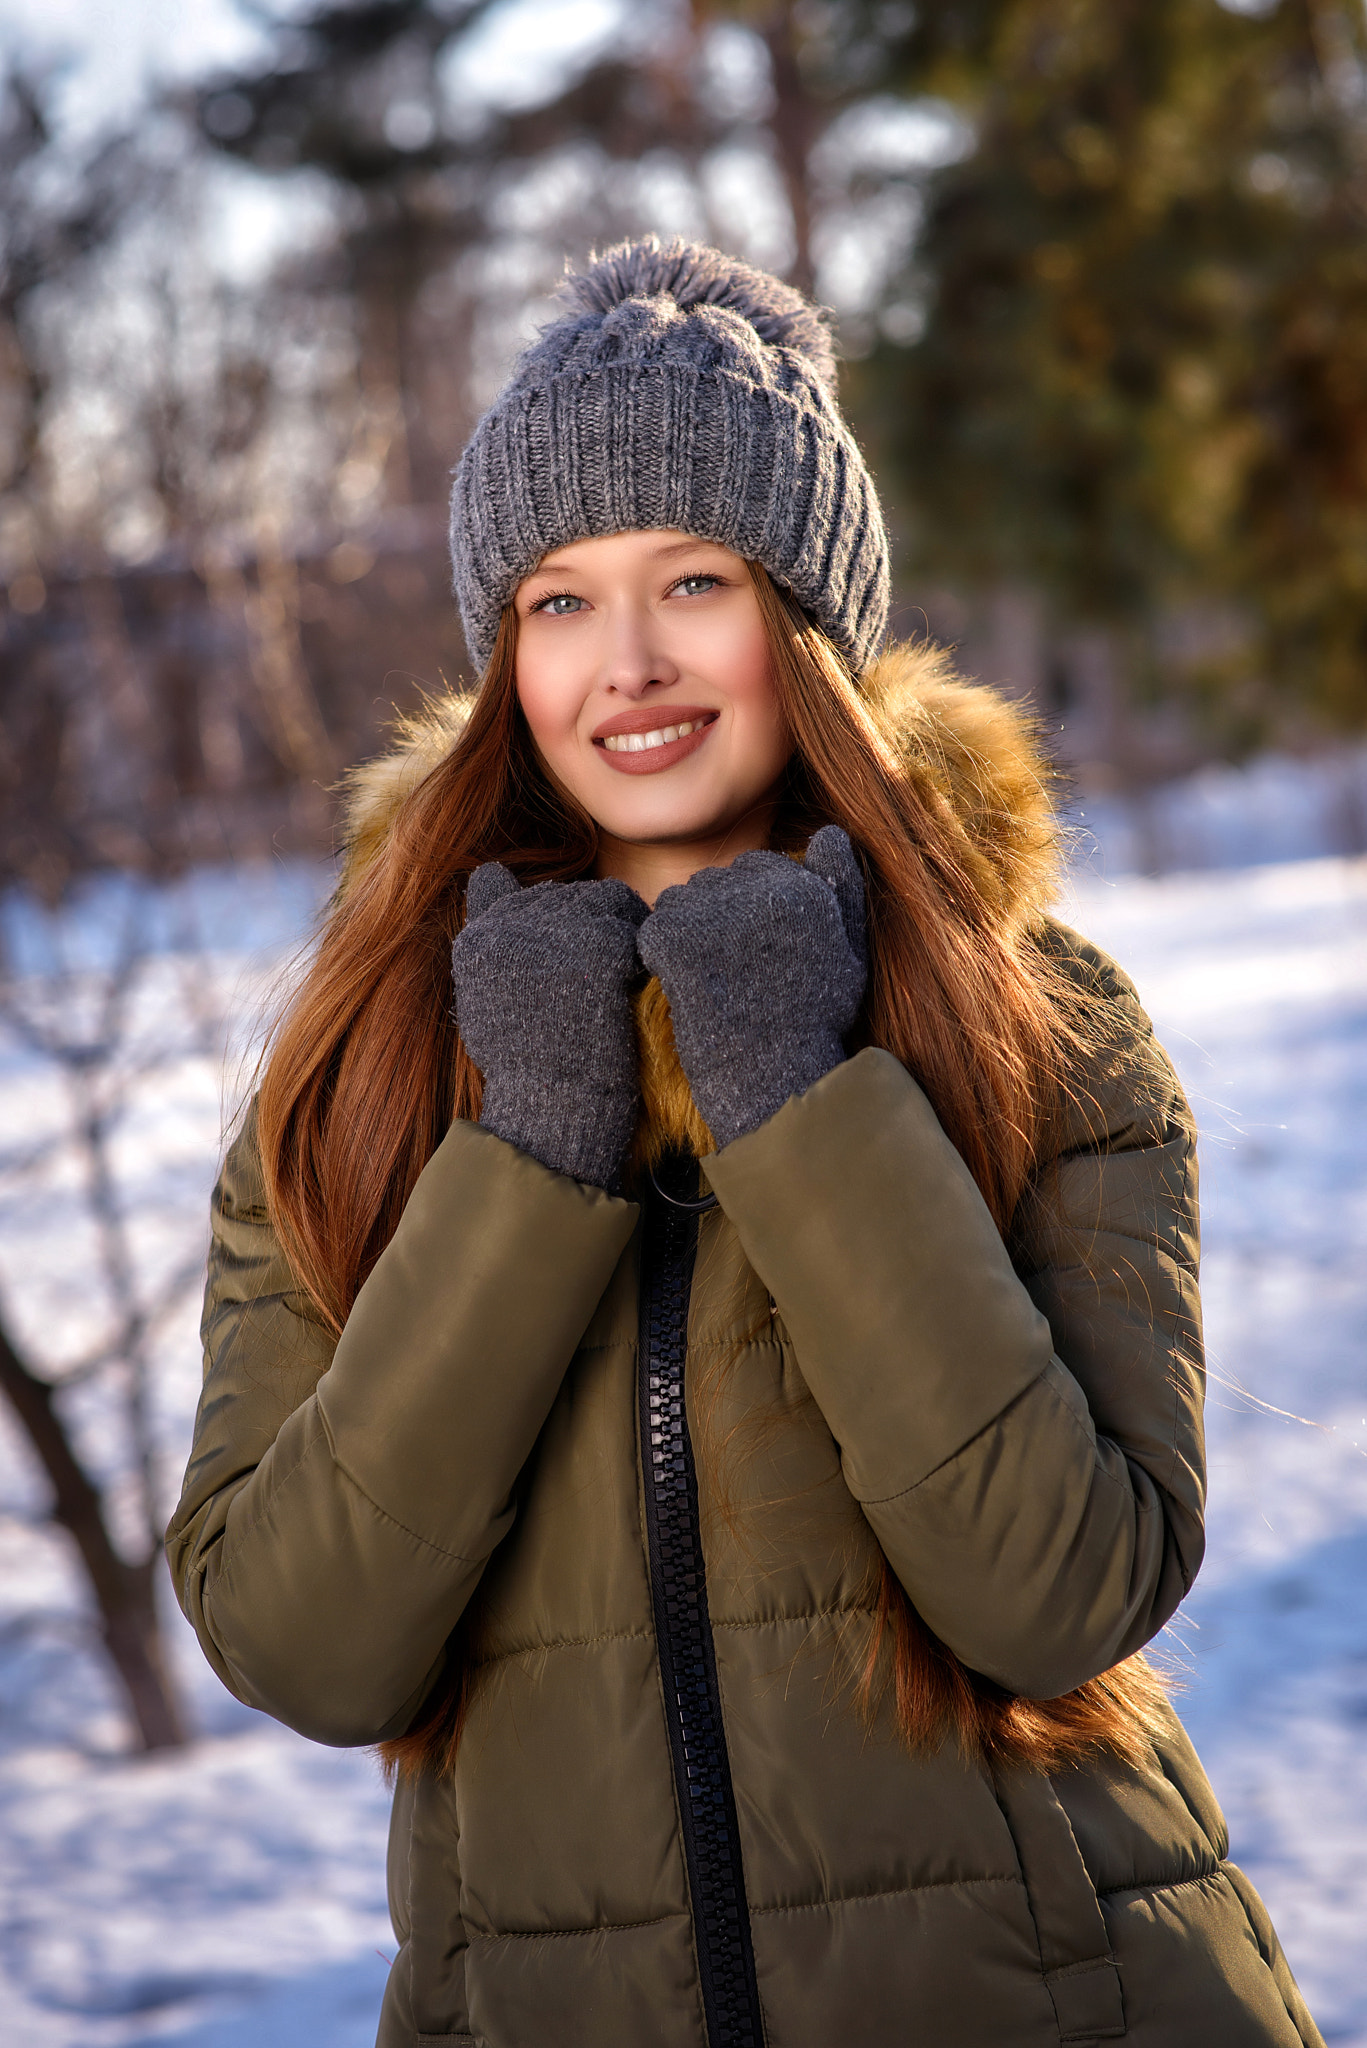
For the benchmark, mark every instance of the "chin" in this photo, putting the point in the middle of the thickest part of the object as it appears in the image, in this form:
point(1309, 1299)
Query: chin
point(661, 831)
point(666, 824)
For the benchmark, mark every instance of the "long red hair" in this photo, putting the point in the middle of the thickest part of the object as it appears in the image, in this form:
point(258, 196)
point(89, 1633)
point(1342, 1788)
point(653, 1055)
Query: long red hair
point(365, 1070)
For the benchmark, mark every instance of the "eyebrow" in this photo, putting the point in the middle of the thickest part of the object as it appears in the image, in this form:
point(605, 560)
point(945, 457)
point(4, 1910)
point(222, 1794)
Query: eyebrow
point(687, 546)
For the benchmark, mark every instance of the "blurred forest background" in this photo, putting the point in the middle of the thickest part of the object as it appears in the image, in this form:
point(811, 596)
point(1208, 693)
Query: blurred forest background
point(1100, 273)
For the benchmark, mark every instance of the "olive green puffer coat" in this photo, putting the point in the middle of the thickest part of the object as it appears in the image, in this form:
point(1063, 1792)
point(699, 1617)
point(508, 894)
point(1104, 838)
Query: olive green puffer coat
point(863, 1363)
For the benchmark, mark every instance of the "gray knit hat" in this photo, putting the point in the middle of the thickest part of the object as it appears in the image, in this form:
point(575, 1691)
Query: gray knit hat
point(679, 388)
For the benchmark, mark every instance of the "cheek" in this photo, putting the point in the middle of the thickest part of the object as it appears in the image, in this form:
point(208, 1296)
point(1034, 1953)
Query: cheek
point(759, 717)
point(550, 705)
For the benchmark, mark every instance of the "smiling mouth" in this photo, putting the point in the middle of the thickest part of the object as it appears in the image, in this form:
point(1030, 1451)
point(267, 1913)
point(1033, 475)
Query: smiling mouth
point(645, 742)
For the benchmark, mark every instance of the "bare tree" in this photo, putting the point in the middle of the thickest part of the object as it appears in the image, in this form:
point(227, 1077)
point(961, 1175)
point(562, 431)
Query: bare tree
point(105, 1031)
point(56, 213)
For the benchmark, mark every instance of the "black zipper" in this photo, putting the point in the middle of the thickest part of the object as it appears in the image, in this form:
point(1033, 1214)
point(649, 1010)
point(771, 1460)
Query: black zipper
point(683, 1630)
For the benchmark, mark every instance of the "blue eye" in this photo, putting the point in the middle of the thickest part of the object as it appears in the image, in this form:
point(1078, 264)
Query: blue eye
point(696, 586)
point(563, 605)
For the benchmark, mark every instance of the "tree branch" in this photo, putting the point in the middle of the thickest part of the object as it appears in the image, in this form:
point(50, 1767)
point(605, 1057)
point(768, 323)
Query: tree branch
point(124, 1592)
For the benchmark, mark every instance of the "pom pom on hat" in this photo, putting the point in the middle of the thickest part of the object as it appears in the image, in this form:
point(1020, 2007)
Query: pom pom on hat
point(677, 388)
point(692, 275)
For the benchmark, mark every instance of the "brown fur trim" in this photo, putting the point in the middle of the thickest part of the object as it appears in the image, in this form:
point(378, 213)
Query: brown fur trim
point(373, 790)
point(982, 752)
point(670, 1119)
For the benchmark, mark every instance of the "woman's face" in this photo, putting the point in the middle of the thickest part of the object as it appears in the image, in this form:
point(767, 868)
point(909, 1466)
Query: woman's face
point(643, 672)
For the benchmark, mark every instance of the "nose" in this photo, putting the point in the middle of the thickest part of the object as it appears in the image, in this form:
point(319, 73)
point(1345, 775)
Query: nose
point(633, 658)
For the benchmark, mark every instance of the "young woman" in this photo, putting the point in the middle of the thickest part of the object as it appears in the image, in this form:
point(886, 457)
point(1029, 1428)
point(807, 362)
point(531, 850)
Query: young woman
point(702, 1342)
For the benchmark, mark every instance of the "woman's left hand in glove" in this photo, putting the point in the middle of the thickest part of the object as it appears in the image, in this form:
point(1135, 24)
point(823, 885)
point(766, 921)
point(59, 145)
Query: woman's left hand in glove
point(764, 964)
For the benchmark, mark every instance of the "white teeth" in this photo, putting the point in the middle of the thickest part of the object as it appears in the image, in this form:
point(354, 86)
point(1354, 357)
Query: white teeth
point(642, 742)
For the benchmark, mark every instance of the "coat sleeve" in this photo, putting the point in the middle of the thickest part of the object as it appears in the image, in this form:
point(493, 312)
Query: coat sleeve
point(341, 1501)
point(1022, 1428)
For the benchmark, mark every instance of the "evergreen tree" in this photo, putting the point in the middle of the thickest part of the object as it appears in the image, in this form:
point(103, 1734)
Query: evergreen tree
point(1142, 382)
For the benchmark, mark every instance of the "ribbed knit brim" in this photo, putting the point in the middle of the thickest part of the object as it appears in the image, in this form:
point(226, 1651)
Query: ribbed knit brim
point(660, 400)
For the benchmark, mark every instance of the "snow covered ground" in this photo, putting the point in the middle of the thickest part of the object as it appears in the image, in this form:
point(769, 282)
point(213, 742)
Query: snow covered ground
point(1276, 807)
point(232, 1896)
point(1257, 982)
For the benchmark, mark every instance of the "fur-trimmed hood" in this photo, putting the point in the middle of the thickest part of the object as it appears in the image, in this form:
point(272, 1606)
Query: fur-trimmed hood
point(972, 744)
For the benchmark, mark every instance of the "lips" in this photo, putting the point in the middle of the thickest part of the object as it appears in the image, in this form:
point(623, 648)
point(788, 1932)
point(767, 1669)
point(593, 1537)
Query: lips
point(642, 742)
point(660, 736)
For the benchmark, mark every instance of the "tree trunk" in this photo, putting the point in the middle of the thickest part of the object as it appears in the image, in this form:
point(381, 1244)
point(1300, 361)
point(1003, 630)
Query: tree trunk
point(795, 124)
point(125, 1593)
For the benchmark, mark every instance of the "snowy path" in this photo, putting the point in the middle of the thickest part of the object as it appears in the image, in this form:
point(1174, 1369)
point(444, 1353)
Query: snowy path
point(233, 1897)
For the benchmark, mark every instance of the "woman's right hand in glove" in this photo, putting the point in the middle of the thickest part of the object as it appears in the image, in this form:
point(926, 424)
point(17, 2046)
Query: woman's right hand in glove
point(541, 979)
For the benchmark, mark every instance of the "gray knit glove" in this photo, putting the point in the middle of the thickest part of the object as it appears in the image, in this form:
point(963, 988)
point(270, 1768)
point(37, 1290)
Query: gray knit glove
point(541, 978)
point(764, 964)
